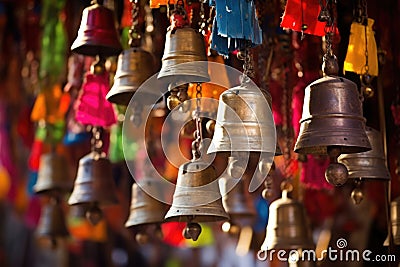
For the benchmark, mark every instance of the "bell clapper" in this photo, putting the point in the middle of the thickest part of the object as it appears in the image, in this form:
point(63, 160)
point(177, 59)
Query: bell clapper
point(94, 214)
point(357, 194)
point(142, 238)
point(336, 173)
point(192, 231)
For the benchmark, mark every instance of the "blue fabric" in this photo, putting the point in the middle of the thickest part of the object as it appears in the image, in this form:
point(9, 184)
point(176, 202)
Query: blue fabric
point(71, 138)
point(234, 25)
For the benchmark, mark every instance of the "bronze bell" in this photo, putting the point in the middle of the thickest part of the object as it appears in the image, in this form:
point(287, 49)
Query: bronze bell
point(332, 117)
point(52, 174)
point(94, 182)
point(97, 34)
point(287, 226)
point(52, 222)
point(134, 67)
point(244, 121)
point(395, 220)
point(144, 208)
point(197, 197)
point(370, 164)
point(184, 45)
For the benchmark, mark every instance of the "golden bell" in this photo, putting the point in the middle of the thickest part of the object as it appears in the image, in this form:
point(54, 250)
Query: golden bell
point(97, 34)
point(134, 67)
point(332, 116)
point(94, 182)
point(370, 164)
point(197, 197)
point(144, 208)
point(52, 222)
point(395, 220)
point(184, 45)
point(287, 226)
point(244, 121)
point(52, 174)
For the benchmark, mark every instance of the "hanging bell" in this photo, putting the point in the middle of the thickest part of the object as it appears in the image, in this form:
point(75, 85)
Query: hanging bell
point(144, 208)
point(52, 222)
point(97, 34)
point(287, 226)
point(52, 174)
point(244, 121)
point(332, 117)
point(184, 45)
point(134, 67)
point(370, 164)
point(197, 197)
point(395, 220)
point(94, 182)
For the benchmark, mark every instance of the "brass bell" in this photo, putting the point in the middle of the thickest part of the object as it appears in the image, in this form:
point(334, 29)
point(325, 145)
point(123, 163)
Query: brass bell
point(370, 164)
point(134, 67)
point(395, 220)
point(94, 185)
point(332, 116)
point(52, 174)
point(287, 226)
point(197, 197)
point(244, 121)
point(144, 208)
point(97, 34)
point(184, 45)
point(52, 222)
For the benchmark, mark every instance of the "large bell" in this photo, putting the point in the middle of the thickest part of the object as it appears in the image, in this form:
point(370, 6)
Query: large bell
point(287, 226)
point(370, 164)
point(332, 116)
point(144, 208)
point(244, 121)
point(395, 220)
point(134, 67)
point(97, 34)
point(53, 174)
point(94, 182)
point(184, 45)
point(52, 222)
point(197, 197)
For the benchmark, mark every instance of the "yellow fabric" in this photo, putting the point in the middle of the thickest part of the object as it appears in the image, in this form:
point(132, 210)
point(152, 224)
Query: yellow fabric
point(206, 238)
point(355, 57)
point(158, 3)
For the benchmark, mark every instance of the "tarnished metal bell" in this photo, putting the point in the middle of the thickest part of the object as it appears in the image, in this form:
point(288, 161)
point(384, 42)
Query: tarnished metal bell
point(197, 197)
point(287, 226)
point(144, 208)
point(53, 174)
point(94, 182)
point(395, 220)
point(134, 67)
point(184, 45)
point(52, 222)
point(370, 164)
point(332, 116)
point(97, 34)
point(244, 121)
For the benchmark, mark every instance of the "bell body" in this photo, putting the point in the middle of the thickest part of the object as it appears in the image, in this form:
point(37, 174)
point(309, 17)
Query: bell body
point(287, 226)
point(52, 174)
point(244, 121)
point(134, 67)
point(197, 197)
point(94, 182)
point(332, 116)
point(97, 34)
point(184, 45)
point(395, 220)
point(370, 164)
point(144, 208)
point(52, 222)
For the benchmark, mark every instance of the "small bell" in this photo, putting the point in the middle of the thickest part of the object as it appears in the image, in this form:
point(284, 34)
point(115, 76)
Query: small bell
point(52, 174)
point(97, 34)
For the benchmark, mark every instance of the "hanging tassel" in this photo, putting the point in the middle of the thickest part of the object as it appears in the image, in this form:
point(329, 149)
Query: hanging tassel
point(92, 108)
point(355, 58)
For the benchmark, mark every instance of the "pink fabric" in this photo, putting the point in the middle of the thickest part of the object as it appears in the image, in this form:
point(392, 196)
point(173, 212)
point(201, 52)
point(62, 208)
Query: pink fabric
point(92, 108)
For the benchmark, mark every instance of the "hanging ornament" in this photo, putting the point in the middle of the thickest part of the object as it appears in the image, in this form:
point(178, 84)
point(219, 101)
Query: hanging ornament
point(235, 26)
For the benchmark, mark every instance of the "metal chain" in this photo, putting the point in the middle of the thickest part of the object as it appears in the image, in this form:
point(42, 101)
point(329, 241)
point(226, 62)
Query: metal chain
point(196, 117)
point(203, 20)
point(134, 33)
point(96, 141)
point(248, 70)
